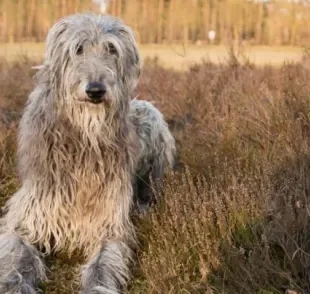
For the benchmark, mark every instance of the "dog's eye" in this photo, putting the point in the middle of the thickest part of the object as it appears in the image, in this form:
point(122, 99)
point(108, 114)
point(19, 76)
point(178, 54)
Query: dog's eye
point(79, 50)
point(112, 50)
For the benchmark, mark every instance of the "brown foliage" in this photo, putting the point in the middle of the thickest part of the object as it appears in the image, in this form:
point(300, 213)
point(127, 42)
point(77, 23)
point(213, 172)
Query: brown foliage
point(236, 218)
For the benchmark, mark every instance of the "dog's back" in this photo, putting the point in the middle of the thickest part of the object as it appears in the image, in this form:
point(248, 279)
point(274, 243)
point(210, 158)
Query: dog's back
point(157, 151)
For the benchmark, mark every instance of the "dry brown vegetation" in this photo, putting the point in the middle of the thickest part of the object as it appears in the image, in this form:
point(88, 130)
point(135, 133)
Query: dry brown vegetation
point(160, 21)
point(234, 217)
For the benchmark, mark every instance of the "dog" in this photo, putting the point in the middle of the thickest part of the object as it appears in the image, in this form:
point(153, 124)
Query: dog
point(87, 152)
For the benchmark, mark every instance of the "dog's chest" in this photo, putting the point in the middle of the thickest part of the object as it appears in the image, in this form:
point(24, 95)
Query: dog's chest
point(88, 175)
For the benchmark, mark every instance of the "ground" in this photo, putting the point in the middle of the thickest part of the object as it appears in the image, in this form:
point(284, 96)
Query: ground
point(234, 217)
point(179, 57)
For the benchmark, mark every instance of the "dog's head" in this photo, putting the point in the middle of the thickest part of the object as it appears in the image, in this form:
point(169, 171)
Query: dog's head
point(92, 60)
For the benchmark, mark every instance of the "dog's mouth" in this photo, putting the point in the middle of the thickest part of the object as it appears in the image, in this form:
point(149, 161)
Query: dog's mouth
point(96, 101)
point(91, 101)
point(102, 100)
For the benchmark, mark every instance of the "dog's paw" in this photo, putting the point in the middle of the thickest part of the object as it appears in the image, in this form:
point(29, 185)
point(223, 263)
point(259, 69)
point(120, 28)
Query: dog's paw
point(20, 289)
point(100, 290)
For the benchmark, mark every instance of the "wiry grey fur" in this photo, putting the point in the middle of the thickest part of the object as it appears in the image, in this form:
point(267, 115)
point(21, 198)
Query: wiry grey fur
point(80, 163)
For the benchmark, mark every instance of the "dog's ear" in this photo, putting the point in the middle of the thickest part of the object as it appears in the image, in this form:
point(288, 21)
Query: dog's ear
point(55, 42)
point(132, 61)
point(55, 55)
point(128, 37)
point(126, 34)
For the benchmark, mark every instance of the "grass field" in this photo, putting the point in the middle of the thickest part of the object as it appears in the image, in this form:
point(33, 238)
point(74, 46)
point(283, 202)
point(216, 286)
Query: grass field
point(178, 57)
point(234, 218)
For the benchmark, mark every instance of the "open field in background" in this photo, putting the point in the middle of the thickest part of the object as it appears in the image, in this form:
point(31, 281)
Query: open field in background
point(178, 56)
point(234, 218)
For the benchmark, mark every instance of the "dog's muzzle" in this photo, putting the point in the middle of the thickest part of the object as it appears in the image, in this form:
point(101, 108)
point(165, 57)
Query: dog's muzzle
point(95, 92)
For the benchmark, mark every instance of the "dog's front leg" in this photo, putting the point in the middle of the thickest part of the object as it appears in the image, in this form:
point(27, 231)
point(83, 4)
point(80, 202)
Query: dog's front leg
point(20, 265)
point(107, 272)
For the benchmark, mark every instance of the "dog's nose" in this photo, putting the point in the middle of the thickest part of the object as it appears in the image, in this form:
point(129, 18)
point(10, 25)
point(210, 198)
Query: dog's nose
point(95, 91)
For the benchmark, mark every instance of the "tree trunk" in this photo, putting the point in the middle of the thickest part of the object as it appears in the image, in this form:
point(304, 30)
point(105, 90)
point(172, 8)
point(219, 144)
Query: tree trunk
point(160, 21)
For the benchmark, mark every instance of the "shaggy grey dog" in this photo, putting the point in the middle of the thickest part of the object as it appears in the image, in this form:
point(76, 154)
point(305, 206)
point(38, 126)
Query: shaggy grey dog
point(85, 148)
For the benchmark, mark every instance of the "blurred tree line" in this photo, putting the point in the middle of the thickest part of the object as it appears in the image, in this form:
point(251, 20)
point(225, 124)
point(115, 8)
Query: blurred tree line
point(170, 21)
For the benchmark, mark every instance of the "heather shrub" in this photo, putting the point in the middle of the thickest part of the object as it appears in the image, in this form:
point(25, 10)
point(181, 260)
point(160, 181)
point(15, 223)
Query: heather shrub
point(234, 216)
